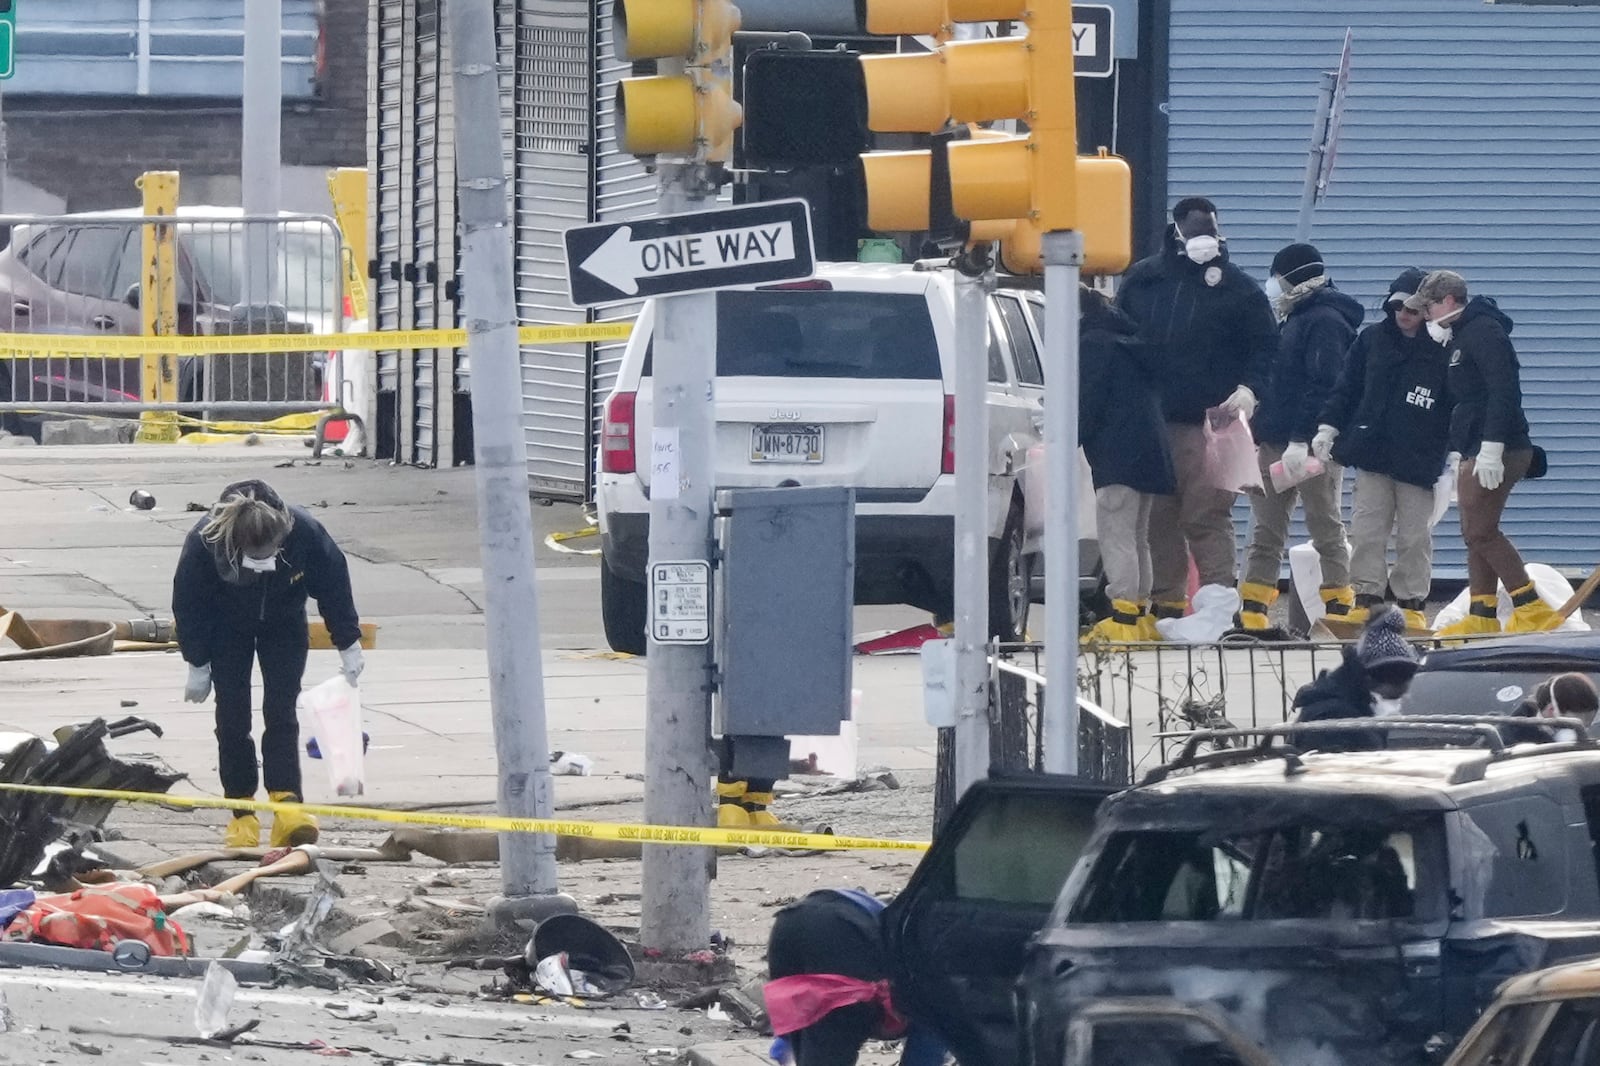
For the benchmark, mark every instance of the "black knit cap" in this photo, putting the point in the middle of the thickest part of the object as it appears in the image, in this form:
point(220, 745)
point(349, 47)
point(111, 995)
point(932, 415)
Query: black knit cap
point(1298, 263)
point(1406, 284)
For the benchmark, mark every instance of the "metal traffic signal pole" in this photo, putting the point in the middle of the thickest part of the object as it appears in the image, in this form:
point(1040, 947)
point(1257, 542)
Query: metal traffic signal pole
point(972, 521)
point(1063, 258)
point(676, 905)
point(505, 518)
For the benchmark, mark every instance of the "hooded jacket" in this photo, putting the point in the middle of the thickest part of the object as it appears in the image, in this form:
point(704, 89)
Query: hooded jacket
point(1209, 328)
point(1343, 692)
point(1485, 380)
point(214, 599)
point(1311, 351)
point(1391, 405)
point(1120, 424)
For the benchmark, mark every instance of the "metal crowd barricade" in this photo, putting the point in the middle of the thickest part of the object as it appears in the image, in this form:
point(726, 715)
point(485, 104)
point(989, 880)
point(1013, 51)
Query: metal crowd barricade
point(1147, 698)
point(83, 275)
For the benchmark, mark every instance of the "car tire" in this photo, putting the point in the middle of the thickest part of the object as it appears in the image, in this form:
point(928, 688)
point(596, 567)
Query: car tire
point(622, 611)
point(1009, 584)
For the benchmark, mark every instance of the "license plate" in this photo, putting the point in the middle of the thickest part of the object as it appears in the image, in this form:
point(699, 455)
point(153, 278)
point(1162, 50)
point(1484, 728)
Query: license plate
point(786, 444)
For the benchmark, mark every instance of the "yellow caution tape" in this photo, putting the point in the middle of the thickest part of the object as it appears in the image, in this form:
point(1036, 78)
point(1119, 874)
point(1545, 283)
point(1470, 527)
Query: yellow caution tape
point(25, 345)
point(642, 834)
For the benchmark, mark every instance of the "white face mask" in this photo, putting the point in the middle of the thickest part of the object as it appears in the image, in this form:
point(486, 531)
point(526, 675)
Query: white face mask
point(1385, 708)
point(1202, 249)
point(1274, 289)
point(1440, 334)
point(260, 566)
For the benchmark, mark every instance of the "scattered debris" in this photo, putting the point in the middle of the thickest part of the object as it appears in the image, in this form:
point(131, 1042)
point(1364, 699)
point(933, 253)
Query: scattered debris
point(141, 501)
point(54, 638)
point(717, 1014)
point(376, 931)
point(570, 764)
point(352, 1012)
point(192, 506)
point(584, 1054)
point(211, 1007)
point(86, 1048)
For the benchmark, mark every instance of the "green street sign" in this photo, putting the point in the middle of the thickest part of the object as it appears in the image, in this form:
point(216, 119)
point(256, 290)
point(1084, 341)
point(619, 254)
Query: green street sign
point(8, 38)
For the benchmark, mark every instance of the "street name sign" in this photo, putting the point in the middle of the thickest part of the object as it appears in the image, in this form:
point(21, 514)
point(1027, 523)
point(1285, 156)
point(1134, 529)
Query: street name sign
point(695, 252)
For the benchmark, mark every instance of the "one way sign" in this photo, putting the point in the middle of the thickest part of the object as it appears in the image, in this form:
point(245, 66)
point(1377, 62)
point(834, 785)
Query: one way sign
point(694, 252)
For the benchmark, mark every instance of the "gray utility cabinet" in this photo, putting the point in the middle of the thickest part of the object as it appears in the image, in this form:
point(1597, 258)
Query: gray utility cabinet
point(785, 597)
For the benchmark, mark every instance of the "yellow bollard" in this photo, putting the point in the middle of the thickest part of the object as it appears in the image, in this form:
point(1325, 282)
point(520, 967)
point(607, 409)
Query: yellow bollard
point(158, 305)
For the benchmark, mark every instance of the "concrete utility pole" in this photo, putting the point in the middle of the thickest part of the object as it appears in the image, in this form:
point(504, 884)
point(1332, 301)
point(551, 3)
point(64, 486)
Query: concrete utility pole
point(1063, 258)
point(505, 518)
point(677, 781)
point(261, 151)
point(972, 521)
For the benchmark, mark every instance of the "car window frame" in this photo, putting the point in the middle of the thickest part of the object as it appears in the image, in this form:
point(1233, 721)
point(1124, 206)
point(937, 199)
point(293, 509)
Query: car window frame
point(1032, 340)
point(103, 291)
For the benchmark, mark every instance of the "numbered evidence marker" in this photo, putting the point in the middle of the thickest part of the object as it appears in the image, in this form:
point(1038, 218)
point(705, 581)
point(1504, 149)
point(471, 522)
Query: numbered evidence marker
point(680, 602)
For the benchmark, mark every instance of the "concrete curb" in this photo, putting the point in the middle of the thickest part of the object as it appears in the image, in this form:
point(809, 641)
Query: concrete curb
point(729, 1053)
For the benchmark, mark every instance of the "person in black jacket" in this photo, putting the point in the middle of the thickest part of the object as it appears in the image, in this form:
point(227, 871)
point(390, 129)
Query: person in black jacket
point(239, 595)
point(1486, 423)
point(1319, 324)
point(1389, 417)
point(1211, 335)
point(1371, 681)
point(1122, 434)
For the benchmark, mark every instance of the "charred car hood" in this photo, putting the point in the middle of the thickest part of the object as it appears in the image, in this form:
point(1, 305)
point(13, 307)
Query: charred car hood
point(1307, 992)
point(1367, 993)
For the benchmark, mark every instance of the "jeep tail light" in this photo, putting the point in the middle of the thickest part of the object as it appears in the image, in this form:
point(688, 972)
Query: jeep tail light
point(947, 464)
point(616, 444)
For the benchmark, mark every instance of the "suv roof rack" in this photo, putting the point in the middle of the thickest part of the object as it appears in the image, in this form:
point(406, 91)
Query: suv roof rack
point(1476, 727)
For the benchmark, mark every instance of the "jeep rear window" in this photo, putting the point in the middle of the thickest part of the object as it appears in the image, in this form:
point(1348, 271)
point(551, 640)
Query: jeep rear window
point(1302, 871)
point(805, 333)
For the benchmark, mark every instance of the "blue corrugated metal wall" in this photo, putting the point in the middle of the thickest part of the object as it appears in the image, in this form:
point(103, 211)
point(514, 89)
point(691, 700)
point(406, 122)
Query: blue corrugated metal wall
point(1471, 141)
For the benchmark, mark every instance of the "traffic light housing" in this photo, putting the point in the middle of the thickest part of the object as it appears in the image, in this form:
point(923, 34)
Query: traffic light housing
point(1029, 184)
point(688, 112)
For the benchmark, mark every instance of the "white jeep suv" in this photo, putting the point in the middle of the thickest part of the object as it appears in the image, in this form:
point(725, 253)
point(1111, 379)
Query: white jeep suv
point(846, 379)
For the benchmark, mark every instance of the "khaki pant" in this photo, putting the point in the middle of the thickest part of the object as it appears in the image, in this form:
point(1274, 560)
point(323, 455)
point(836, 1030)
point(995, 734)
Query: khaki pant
point(1197, 521)
point(1383, 506)
point(1122, 523)
point(1491, 557)
point(1269, 524)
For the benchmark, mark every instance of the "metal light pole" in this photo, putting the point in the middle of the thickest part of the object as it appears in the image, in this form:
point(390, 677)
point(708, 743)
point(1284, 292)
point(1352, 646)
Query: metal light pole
point(675, 916)
point(1063, 256)
point(261, 150)
point(505, 518)
point(972, 521)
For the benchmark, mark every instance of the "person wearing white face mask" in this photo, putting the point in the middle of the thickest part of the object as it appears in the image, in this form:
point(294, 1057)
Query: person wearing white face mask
point(1370, 682)
point(1488, 428)
point(1211, 337)
point(239, 595)
point(1319, 325)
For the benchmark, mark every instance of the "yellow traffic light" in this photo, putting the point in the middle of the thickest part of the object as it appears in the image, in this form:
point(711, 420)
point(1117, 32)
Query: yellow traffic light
point(691, 113)
point(1105, 218)
point(1034, 178)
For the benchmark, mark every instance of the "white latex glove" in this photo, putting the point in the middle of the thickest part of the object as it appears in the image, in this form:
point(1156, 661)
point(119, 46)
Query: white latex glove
point(1322, 443)
point(1294, 459)
point(198, 687)
point(1242, 401)
point(1490, 465)
point(351, 664)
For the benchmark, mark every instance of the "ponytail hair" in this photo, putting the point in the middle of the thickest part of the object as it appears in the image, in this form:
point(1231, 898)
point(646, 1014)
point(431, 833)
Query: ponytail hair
point(244, 524)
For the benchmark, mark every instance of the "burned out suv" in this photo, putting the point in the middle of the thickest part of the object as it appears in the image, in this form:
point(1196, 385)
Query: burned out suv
point(1334, 908)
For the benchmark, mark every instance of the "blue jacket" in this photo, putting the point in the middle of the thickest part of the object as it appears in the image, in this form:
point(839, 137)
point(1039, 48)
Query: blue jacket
point(1209, 328)
point(1120, 423)
point(1391, 406)
point(1311, 350)
point(1485, 381)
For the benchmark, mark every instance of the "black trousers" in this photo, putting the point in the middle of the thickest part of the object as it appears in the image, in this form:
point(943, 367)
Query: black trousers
point(282, 654)
point(827, 933)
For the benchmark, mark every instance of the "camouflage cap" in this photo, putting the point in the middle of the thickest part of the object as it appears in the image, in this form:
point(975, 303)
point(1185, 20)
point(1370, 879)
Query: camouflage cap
point(1435, 287)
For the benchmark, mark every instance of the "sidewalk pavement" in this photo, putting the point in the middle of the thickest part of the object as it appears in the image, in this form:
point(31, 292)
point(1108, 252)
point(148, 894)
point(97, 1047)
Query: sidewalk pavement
point(71, 546)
